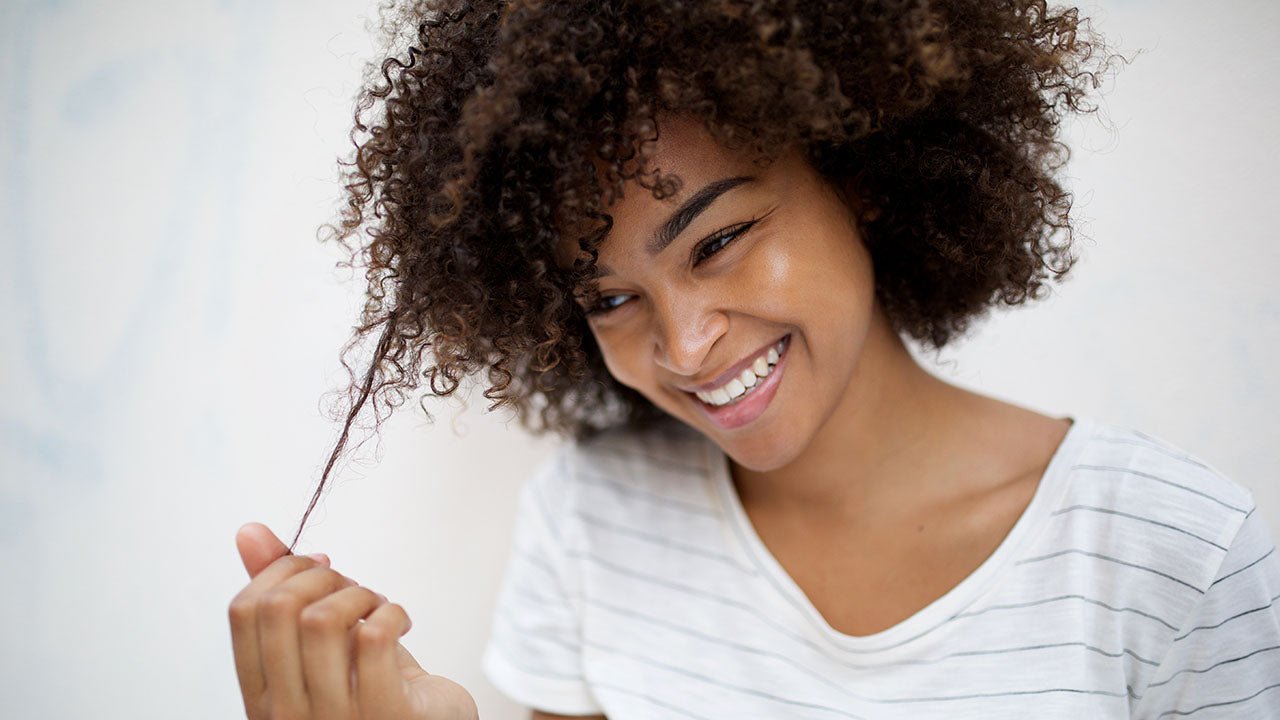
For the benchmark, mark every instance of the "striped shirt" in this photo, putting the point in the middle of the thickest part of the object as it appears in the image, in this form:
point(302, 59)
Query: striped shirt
point(1138, 583)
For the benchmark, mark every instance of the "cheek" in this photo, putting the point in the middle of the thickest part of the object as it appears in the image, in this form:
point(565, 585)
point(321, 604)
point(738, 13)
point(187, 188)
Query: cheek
point(768, 283)
point(847, 279)
point(818, 279)
point(630, 363)
point(620, 359)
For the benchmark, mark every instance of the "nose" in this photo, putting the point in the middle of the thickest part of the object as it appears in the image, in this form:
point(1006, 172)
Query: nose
point(685, 330)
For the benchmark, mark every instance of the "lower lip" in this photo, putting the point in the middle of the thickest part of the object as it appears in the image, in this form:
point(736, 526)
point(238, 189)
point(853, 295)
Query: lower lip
point(735, 415)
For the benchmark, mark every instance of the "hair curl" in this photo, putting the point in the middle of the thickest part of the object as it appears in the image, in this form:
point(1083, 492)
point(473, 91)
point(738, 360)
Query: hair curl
point(494, 125)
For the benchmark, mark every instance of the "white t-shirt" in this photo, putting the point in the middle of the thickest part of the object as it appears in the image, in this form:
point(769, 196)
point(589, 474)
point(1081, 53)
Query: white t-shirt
point(1138, 583)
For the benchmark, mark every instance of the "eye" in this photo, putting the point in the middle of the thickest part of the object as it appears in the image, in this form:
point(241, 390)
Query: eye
point(606, 303)
point(719, 241)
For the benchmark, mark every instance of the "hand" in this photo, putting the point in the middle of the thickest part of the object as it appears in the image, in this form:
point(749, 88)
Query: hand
point(311, 644)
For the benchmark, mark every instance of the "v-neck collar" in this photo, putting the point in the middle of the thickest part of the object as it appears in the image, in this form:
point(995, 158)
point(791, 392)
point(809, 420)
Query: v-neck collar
point(899, 637)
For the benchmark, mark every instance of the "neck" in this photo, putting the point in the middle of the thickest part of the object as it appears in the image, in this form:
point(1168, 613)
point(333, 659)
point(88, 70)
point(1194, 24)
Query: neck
point(883, 442)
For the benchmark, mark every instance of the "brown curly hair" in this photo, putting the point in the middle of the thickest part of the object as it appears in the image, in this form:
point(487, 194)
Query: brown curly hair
point(494, 125)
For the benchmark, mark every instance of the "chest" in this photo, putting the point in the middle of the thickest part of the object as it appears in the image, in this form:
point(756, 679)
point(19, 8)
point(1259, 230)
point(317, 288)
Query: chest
point(697, 616)
point(864, 578)
point(715, 646)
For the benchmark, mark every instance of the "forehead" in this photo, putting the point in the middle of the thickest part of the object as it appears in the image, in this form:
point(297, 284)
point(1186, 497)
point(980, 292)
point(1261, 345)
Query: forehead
point(686, 148)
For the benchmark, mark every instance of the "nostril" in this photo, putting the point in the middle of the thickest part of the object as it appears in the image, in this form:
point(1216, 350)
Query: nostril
point(681, 361)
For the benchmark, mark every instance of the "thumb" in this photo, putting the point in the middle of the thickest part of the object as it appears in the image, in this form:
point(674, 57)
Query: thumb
point(259, 547)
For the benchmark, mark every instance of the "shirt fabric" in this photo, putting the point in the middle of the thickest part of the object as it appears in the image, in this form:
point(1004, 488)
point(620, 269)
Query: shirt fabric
point(1138, 582)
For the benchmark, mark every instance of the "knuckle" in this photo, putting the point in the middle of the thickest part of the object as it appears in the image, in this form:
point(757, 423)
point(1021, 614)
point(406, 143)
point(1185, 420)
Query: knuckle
point(279, 604)
point(241, 612)
point(323, 575)
point(317, 619)
point(372, 635)
point(363, 595)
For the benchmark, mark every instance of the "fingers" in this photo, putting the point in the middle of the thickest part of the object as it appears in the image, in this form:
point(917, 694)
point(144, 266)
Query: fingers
point(325, 629)
point(378, 680)
point(245, 636)
point(259, 547)
point(299, 640)
point(279, 611)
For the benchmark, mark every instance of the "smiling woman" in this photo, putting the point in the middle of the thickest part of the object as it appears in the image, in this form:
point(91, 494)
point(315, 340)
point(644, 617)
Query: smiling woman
point(693, 236)
point(761, 273)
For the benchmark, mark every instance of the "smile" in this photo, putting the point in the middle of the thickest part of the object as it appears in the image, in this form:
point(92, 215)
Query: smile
point(750, 378)
point(740, 399)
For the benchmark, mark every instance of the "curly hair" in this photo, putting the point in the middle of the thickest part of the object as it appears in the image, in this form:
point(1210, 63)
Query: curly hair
point(494, 125)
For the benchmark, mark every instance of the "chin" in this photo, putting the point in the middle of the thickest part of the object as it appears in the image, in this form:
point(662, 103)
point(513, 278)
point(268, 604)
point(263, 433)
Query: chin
point(759, 447)
point(760, 456)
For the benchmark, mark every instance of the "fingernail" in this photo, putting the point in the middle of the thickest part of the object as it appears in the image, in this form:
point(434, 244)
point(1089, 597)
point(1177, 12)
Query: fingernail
point(382, 597)
point(320, 558)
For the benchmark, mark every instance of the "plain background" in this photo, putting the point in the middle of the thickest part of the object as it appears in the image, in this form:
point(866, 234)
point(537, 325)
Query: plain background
point(170, 326)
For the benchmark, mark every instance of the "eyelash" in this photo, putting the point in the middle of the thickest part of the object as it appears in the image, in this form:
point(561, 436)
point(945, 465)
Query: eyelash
point(601, 309)
point(700, 254)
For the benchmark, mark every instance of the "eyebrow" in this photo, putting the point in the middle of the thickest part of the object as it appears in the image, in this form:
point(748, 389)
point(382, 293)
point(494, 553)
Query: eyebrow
point(691, 209)
point(685, 215)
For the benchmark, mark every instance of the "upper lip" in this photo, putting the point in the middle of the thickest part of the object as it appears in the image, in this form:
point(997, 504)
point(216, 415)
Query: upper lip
point(734, 370)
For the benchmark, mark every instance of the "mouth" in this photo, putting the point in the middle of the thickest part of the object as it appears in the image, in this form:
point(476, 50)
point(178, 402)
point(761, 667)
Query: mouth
point(745, 394)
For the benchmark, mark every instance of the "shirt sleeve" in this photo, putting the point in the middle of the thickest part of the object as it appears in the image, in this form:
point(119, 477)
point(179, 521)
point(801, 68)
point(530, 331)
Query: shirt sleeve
point(534, 653)
point(1225, 660)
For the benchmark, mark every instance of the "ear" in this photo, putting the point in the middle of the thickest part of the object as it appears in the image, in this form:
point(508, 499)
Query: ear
point(858, 199)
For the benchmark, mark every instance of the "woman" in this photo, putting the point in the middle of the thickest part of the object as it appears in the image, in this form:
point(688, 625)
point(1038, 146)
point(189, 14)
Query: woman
point(693, 236)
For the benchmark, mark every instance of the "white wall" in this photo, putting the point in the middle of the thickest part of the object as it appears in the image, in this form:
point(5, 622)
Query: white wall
point(170, 325)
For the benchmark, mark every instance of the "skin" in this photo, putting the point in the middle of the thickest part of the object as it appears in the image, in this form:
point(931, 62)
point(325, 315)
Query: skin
point(311, 643)
point(875, 485)
point(913, 482)
point(798, 271)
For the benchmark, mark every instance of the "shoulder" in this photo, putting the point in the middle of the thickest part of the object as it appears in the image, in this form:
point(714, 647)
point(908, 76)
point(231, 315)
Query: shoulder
point(1185, 567)
point(1155, 540)
point(1143, 518)
point(1131, 473)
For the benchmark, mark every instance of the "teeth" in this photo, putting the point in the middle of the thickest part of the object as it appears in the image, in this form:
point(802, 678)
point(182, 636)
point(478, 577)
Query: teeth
point(748, 379)
point(761, 366)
